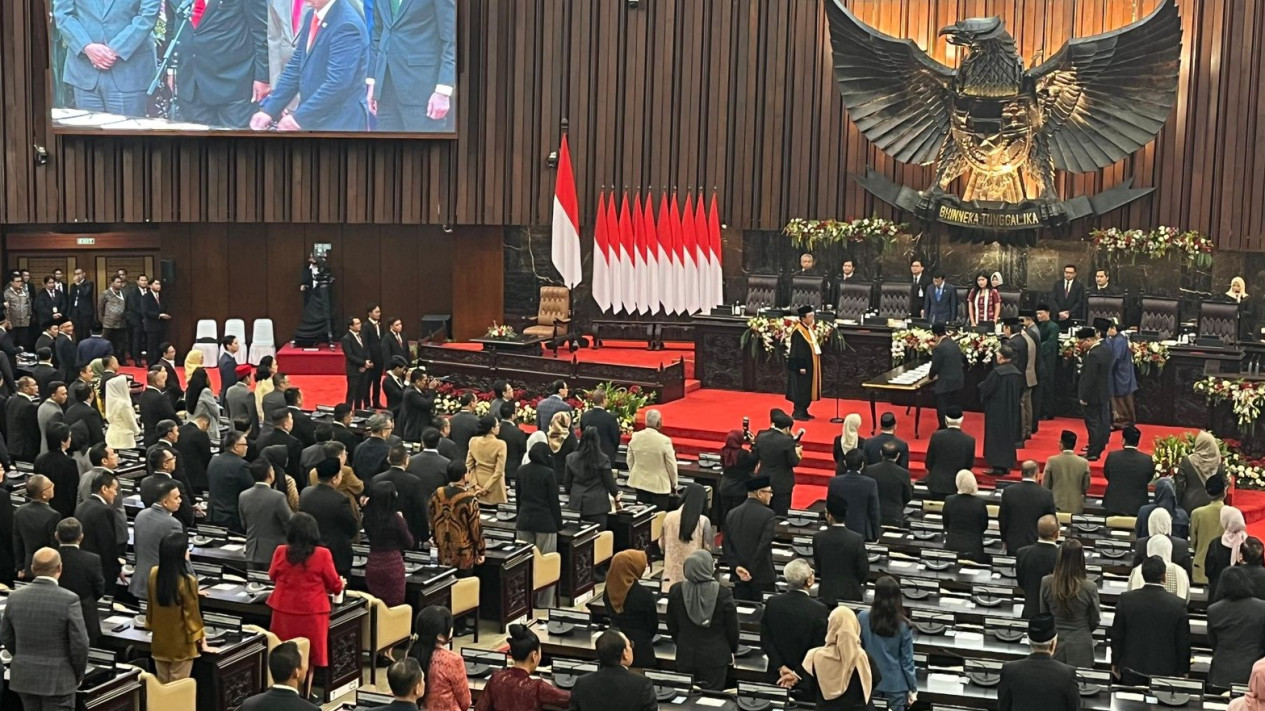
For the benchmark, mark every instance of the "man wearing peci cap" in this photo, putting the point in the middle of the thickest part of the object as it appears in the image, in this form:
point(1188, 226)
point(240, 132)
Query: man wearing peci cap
point(1026, 363)
point(778, 453)
point(1093, 390)
point(946, 371)
point(394, 383)
point(1048, 332)
point(1128, 474)
point(1002, 396)
point(1037, 682)
point(240, 401)
point(749, 543)
point(1067, 475)
point(803, 364)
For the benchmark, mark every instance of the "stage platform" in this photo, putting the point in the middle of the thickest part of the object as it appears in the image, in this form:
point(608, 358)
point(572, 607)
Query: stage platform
point(311, 361)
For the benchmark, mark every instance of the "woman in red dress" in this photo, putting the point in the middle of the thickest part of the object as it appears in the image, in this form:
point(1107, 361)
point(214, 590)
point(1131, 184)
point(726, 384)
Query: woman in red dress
point(304, 575)
point(514, 688)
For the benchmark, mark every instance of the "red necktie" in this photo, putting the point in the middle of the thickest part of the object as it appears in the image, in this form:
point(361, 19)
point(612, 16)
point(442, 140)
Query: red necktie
point(311, 34)
point(296, 15)
point(199, 7)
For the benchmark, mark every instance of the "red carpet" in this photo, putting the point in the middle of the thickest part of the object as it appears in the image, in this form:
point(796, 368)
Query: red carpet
point(621, 353)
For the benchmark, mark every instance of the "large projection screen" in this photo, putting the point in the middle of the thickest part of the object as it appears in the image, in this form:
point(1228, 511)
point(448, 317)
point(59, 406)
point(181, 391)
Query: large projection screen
point(255, 67)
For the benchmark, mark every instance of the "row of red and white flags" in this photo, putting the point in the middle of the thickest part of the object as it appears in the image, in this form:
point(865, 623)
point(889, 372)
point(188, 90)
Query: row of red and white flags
point(642, 263)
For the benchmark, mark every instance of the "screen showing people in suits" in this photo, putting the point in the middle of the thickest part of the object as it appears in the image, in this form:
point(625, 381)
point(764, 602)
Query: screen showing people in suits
point(257, 66)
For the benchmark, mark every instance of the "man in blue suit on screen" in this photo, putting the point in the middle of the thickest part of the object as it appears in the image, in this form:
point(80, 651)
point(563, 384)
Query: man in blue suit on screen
point(413, 65)
point(110, 58)
point(325, 72)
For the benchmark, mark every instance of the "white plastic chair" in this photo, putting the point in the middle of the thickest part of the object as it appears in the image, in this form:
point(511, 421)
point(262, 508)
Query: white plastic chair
point(262, 341)
point(206, 340)
point(237, 327)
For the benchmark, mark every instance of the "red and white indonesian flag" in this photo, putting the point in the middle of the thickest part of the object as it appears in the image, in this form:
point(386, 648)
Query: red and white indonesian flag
point(717, 281)
point(666, 258)
point(601, 257)
point(566, 222)
point(651, 259)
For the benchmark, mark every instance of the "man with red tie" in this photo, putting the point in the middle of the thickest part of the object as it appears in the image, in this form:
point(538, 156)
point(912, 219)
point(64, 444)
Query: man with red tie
point(325, 72)
point(223, 67)
point(154, 317)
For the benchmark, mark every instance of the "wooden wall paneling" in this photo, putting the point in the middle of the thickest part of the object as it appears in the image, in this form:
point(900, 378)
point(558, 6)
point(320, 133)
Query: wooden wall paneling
point(434, 270)
point(361, 270)
point(477, 287)
point(399, 285)
point(1256, 179)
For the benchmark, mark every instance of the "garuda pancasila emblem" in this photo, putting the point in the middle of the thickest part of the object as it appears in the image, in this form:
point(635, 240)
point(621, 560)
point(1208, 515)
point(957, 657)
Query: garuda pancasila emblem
point(1098, 100)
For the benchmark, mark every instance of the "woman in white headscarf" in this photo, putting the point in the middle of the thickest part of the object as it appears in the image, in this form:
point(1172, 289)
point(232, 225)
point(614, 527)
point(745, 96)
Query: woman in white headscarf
point(123, 427)
point(845, 674)
point(966, 519)
point(849, 438)
point(1175, 579)
point(537, 436)
point(703, 621)
point(1238, 290)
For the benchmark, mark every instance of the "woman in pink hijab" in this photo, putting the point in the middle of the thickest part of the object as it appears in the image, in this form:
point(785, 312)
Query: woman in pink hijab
point(1254, 699)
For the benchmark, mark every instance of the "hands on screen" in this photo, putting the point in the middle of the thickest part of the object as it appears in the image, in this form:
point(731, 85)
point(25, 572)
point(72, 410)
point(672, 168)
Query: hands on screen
point(259, 91)
point(101, 56)
point(372, 102)
point(438, 106)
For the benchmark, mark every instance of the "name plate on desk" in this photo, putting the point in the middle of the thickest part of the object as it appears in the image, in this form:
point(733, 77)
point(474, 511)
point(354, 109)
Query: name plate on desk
point(344, 689)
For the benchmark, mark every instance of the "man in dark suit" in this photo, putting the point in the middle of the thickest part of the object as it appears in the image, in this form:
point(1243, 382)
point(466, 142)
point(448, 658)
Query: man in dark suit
point(372, 332)
point(154, 317)
point(859, 496)
point(34, 523)
point(464, 423)
point(167, 361)
point(302, 429)
point(412, 501)
point(748, 545)
point(81, 574)
point(942, 301)
point(224, 63)
point(132, 296)
point(413, 65)
point(919, 281)
point(285, 664)
point(43, 628)
point(60, 469)
point(155, 406)
point(84, 420)
point(358, 364)
point(1067, 297)
point(279, 433)
point(194, 445)
point(607, 425)
point(1037, 682)
point(946, 371)
point(275, 400)
point(839, 557)
point(874, 446)
point(429, 466)
point(44, 371)
point(228, 475)
point(93, 346)
point(100, 525)
point(417, 407)
point(1150, 635)
point(613, 687)
point(895, 488)
point(263, 513)
point(1093, 390)
point(161, 460)
point(552, 405)
point(228, 363)
point(950, 451)
point(340, 426)
point(1022, 505)
point(49, 305)
point(779, 453)
point(81, 304)
point(1128, 473)
point(394, 383)
point(65, 352)
point(21, 424)
point(1036, 561)
point(371, 454)
point(333, 513)
point(793, 623)
point(394, 344)
point(515, 439)
point(325, 73)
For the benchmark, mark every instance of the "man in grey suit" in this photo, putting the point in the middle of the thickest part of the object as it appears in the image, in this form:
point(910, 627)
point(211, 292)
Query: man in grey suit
point(152, 525)
point(110, 58)
point(276, 400)
point(51, 411)
point(264, 514)
point(413, 59)
point(240, 401)
point(43, 629)
point(552, 405)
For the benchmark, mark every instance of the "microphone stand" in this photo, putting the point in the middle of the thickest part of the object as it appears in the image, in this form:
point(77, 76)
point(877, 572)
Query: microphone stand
point(185, 12)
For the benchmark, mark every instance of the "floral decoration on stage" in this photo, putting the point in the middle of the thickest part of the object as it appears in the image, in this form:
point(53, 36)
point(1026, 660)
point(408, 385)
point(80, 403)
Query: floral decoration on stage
point(810, 234)
point(1246, 398)
point(913, 343)
point(1168, 452)
point(1246, 472)
point(1160, 242)
point(503, 332)
point(1146, 355)
point(622, 402)
point(772, 336)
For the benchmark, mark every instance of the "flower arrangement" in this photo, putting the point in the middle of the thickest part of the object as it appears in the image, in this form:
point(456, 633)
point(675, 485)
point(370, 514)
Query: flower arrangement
point(1148, 355)
point(977, 348)
point(1246, 398)
point(623, 403)
point(809, 234)
point(772, 336)
point(503, 332)
point(1159, 242)
point(1168, 452)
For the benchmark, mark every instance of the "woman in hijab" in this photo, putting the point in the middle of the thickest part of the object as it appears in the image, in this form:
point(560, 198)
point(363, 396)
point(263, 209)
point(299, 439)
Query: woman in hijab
point(1238, 290)
point(1254, 699)
point(632, 606)
point(737, 463)
point(539, 512)
point(685, 530)
point(1165, 498)
point(537, 436)
point(966, 519)
point(1203, 462)
point(1225, 551)
point(846, 675)
point(561, 440)
point(703, 621)
point(1175, 579)
point(123, 428)
point(1160, 523)
point(849, 439)
point(278, 455)
point(98, 374)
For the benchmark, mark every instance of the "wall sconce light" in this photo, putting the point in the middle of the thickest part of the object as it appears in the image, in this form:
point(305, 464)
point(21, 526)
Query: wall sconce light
point(551, 160)
point(41, 155)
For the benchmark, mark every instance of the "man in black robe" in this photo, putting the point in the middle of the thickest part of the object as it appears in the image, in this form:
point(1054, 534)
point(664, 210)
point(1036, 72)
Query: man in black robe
point(1093, 388)
point(803, 364)
point(1002, 396)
